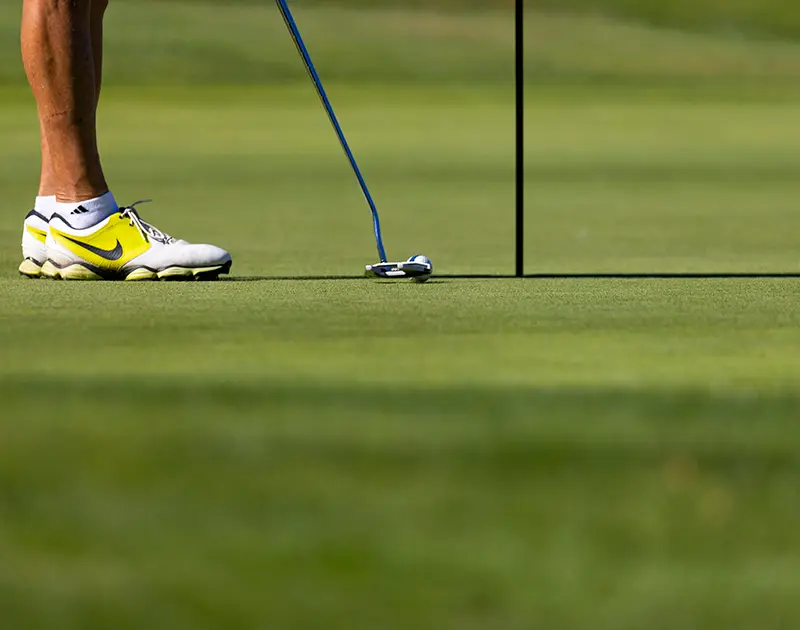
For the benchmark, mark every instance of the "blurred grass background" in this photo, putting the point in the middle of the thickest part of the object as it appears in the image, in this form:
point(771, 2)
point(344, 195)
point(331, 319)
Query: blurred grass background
point(594, 454)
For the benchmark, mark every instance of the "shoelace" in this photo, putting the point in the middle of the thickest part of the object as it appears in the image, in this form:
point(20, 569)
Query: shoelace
point(145, 229)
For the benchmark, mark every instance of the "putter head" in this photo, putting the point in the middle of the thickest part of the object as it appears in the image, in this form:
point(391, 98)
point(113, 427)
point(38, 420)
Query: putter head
point(417, 271)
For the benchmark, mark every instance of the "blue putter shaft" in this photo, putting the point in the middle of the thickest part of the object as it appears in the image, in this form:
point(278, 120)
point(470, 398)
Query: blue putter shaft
point(301, 48)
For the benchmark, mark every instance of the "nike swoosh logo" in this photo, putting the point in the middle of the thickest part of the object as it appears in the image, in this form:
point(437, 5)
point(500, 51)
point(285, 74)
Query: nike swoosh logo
point(108, 254)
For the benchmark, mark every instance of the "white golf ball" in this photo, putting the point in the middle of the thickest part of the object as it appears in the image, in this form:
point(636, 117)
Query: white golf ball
point(419, 258)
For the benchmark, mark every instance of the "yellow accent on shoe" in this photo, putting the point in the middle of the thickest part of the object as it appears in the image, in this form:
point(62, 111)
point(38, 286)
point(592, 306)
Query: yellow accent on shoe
point(111, 247)
point(30, 269)
point(39, 235)
point(49, 270)
point(175, 272)
point(72, 272)
point(186, 272)
point(141, 274)
point(125, 247)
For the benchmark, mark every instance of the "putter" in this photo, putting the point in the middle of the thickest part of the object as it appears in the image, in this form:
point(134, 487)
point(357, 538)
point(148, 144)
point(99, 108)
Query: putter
point(383, 269)
point(400, 270)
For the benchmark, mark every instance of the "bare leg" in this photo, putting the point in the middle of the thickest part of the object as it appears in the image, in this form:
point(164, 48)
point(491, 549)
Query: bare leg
point(58, 55)
point(98, 11)
point(47, 182)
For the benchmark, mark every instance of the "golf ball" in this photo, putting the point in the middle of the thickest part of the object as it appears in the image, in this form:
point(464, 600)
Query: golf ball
point(419, 258)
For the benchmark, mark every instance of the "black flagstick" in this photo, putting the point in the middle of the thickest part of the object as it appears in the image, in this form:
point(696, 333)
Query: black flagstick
point(520, 145)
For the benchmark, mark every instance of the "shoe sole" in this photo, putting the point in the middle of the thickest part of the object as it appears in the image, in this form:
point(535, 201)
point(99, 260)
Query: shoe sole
point(30, 269)
point(83, 272)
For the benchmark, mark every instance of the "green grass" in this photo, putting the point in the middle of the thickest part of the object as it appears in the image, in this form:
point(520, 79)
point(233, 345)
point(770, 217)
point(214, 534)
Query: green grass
point(268, 159)
point(764, 18)
point(248, 45)
point(167, 42)
point(642, 182)
point(464, 454)
point(467, 454)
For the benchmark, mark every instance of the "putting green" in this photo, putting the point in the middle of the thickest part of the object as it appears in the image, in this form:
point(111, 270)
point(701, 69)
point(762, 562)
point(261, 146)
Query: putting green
point(467, 453)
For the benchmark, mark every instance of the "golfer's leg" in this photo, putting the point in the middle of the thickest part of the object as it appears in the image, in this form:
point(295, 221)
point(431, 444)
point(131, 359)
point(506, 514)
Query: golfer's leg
point(47, 183)
point(47, 180)
point(58, 57)
point(62, 48)
point(98, 11)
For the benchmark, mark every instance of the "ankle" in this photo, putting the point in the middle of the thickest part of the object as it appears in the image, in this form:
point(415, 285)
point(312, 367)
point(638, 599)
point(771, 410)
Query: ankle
point(45, 205)
point(87, 212)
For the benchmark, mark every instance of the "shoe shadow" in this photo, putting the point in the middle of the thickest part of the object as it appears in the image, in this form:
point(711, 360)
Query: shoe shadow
point(287, 278)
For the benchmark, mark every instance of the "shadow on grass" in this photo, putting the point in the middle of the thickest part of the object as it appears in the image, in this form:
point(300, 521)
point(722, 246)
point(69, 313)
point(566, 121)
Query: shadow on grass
point(540, 276)
point(571, 408)
point(138, 497)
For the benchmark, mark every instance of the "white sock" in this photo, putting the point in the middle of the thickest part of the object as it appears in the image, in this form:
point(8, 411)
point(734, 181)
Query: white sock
point(46, 206)
point(84, 214)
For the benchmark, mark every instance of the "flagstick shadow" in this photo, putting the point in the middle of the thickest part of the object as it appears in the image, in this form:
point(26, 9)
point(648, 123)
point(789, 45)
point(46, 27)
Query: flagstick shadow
point(533, 276)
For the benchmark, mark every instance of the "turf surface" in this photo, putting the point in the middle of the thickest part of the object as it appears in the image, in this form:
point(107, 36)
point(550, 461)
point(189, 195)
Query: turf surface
point(262, 452)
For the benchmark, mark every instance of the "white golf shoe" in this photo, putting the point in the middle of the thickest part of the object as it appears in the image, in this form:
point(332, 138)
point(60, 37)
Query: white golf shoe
point(34, 250)
point(124, 247)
